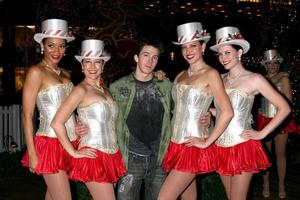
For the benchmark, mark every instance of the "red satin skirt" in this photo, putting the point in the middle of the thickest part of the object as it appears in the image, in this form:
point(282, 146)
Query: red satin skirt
point(104, 168)
point(191, 159)
point(52, 157)
point(248, 156)
point(287, 126)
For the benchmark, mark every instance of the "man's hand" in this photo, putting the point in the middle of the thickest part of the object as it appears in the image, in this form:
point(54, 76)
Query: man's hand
point(160, 75)
point(205, 120)
point(81, 129)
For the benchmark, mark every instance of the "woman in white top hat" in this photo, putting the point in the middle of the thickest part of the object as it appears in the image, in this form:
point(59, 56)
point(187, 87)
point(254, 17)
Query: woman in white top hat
point(96, 109)
point(193, 92)
point(271, 60)
point(241, 152)
point(46, 86)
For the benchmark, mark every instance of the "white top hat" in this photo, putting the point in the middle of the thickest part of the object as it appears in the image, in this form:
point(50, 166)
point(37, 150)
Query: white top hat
point(191, 32)
point(93, 49)
point(230, 36)
point(54, 28)
point(270, 55)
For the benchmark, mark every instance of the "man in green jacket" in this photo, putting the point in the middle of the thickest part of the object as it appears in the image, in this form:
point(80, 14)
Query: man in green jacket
point(143, 126)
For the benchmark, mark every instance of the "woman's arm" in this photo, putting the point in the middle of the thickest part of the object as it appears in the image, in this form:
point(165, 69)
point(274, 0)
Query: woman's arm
point(31, 88)
point(286, 88)
point(283, 108)
point(225, 112)
point(61, 117)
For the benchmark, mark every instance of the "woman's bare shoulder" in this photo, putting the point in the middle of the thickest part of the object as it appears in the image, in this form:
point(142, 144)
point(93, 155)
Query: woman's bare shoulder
point(212, 72)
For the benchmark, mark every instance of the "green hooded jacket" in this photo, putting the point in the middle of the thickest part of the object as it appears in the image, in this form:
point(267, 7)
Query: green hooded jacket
point(123, 92)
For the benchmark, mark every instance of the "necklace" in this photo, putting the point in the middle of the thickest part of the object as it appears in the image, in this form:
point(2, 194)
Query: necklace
point(233, 80)
point(98, 88)
point(190, 72)
point(56, 71)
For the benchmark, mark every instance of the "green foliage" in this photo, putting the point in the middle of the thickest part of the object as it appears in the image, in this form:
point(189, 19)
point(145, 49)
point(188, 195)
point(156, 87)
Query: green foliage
point(211, 187)
point(80, 191)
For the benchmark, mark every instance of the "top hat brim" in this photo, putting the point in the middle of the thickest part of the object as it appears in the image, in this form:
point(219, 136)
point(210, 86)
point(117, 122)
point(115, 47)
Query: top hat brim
point(204, 38)
point(242, 43)
point(38, 37)
point(105, 58)
point(263, 62)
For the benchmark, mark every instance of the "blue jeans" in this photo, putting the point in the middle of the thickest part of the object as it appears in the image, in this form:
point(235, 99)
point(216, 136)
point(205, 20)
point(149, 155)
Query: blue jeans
point(141, 168)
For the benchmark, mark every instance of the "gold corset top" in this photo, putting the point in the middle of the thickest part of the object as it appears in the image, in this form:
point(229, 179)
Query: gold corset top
point(100, 117)
point(190, 103)
point(266, 108)
point(48, 102)
point(242, 105)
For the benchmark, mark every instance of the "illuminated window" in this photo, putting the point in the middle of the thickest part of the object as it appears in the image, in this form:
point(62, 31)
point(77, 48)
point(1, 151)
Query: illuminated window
point(281, 2)
point(249, 1)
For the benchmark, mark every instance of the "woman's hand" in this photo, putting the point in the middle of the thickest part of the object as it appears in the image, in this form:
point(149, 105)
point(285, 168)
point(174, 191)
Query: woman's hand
point(33, 162)
point(195, 141)
point(85, 153)
point(252, 135)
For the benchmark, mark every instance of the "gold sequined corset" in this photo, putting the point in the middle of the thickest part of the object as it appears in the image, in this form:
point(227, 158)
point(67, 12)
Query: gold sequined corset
point(48, 102)
point(242, 104)
point(100, 117)
point(266, 108)
point(190, 103)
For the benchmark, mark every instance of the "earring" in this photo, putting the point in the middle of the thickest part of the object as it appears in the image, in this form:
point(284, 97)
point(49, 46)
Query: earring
point(203, 51)
point(82, 70)
point(42, 51)
point(240, 58)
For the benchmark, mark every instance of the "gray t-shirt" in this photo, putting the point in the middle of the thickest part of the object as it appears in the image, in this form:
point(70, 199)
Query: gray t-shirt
point(145, 119)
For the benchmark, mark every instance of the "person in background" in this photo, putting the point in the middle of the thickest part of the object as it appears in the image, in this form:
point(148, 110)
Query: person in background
point(46, 86)
point(280, 80)
point(193, 92)
point(240, 151)
point(99, 162)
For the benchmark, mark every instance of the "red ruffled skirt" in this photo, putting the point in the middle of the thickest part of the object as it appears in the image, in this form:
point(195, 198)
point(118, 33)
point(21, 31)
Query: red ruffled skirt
point(51, 155)
point(248, 156)
point(287, 126)
point(104, 168)
point(191, 159)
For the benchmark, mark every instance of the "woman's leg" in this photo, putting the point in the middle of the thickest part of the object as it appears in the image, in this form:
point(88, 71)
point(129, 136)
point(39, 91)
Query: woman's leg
point(280, 147)
point(101, 191)
point(226, 180)
point(266, 176)
point(190, 193)
point(175, 183)
point(58, 186)
point(48, 195)
point(240, 186)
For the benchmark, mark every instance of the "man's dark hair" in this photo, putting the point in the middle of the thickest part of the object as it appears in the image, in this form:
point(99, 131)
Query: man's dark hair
point(151, 41)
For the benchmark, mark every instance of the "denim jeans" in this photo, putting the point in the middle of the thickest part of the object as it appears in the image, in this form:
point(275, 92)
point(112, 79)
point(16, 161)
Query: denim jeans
point(141, 168)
